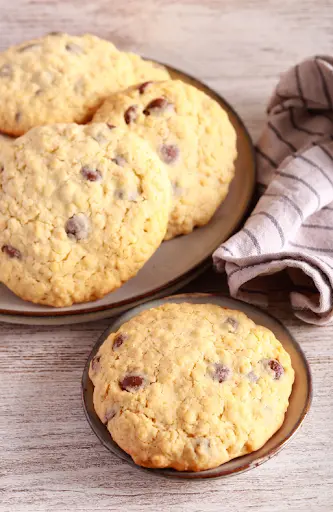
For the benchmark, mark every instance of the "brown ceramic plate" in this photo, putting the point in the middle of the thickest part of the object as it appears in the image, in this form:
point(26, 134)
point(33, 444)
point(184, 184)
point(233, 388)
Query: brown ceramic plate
point(299, 405)
point(166, 271)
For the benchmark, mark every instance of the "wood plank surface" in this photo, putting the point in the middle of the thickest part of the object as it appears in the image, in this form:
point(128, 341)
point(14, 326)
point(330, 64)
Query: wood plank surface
point(49, 458)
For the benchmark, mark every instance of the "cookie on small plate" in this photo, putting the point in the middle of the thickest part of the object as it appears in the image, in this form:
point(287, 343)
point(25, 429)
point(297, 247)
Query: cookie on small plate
point(191, 386)
point(62, 79)
point(192, 135)
point(82, 208)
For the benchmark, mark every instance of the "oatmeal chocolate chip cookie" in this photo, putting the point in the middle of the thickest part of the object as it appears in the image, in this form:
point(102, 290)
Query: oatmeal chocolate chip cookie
point(191, 386)
point(6, 146)
point(82, 208)
point(192, 135)
point(62, 79)
point(6, 143)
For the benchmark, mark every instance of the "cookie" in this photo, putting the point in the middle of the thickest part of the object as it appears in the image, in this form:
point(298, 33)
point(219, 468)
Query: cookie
point(192, 135)
point(191, 386)
point(82, 208)
point(6, 143)
point(62, 79)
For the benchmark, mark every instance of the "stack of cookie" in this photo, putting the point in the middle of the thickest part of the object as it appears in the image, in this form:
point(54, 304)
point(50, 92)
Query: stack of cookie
point(112, 157)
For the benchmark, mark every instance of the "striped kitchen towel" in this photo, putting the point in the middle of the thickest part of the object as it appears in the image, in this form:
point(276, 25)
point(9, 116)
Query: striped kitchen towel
point(291, 226)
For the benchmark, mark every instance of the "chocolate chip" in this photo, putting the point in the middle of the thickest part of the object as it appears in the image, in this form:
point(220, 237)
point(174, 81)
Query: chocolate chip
point(219, 372)
point(6, 70)
point(119, 160)
point(18, 117)
point(55, 34)
point(95, 363)
point(11, 251)
point(77, 227)
point(39, 92)
point(169, 153)
point(2, 168)
point(110, 414)
point(28, 47)
point(276, 367)
point(119, 340)
point(111, 126)
point(232, 322)
point(132, 383)
point(158, 106)
point(142, 88)
point(131, 114)
point(74, 48)
point(91, 174)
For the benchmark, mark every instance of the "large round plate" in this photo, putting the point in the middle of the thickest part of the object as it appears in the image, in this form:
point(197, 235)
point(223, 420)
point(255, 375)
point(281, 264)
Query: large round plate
point(174, 264)
point(299, 403)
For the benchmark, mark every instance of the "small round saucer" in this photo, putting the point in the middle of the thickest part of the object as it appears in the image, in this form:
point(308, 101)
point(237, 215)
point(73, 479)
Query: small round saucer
point(299, 404)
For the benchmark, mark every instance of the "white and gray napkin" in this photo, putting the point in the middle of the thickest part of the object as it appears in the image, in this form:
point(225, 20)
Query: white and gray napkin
point(291, 226)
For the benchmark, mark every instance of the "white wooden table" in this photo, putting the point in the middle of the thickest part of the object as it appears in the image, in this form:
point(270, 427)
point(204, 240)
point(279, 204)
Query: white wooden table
point(49, 458)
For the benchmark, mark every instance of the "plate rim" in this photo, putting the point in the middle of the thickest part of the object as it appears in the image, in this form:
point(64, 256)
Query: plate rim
point(196, 269)
point(199, 475)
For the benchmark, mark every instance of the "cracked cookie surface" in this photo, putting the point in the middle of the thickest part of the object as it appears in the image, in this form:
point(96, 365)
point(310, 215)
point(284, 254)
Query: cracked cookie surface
point(191, 386)
point(62, 79)
point(82, 208)
point(192, 135)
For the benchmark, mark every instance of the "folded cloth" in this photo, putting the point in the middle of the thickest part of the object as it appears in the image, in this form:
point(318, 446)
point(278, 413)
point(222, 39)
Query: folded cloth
point(291, 226)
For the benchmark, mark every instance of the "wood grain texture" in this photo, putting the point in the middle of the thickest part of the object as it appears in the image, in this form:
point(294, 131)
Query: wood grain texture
point(49, 458)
